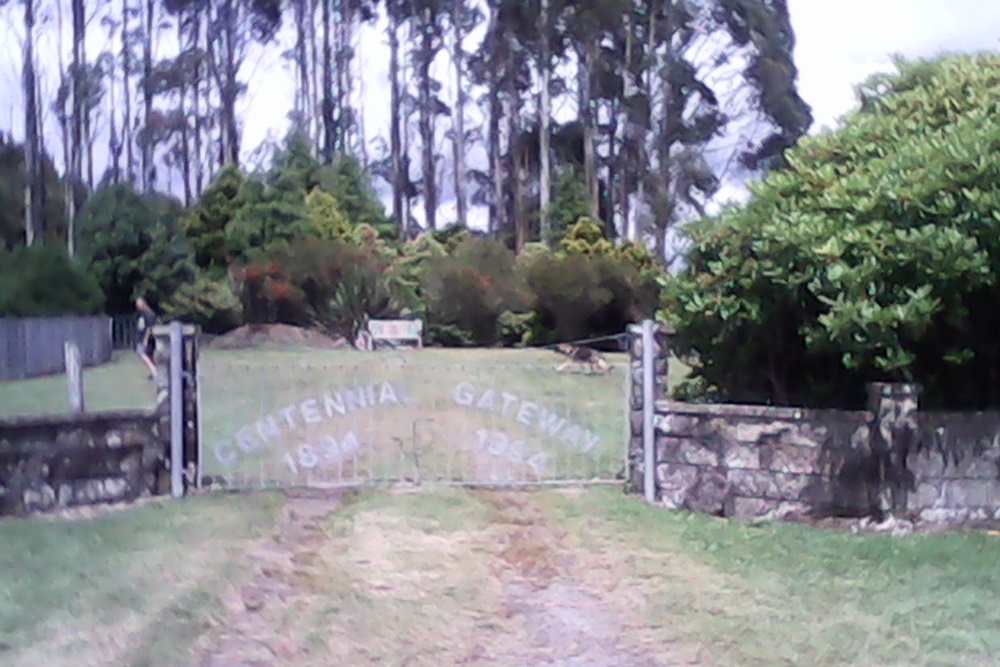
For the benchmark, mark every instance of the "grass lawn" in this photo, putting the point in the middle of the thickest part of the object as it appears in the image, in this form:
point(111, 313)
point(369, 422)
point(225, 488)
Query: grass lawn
point(458, 576)
point(131, 587)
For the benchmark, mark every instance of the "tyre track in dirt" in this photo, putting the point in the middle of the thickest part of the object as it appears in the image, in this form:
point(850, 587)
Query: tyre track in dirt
point(255, 628)
point(566, 617)
point(559, 604)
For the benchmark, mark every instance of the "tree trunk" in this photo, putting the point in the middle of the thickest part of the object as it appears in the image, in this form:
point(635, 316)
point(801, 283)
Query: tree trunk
point(362, 134)
point(32, 168)
point(83, 141)
point(128, 125)
point(303, 105)
point(625, 148)
point(65, 126)
point(329, 122)
point(544, 123)
point(114, 140)
point(229, 129)
point(395, 141)
point(513, 169)
point(458, 142)
point(316, 77)
point(344, 130)
point(199, 19)
point(493, 130)
point(642, 171)
point(426, 120)
point(587, 120)
point(148, 165)
point(185, 138)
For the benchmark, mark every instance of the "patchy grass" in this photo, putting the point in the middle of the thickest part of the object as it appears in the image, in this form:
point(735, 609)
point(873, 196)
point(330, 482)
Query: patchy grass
point(464, 577)
point(132, 586)
point(119, 385)
point(784, 594)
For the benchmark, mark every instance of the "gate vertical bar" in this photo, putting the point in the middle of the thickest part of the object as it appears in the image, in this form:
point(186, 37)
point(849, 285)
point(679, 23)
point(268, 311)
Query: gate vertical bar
point(176, 410)
point(648, 410)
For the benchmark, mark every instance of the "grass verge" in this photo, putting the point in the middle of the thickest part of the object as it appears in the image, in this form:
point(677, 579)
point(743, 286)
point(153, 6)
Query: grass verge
point(132, 586)
point(783, 594)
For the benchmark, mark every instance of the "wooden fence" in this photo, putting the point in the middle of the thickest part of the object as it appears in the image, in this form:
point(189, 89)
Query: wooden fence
point(30, 347)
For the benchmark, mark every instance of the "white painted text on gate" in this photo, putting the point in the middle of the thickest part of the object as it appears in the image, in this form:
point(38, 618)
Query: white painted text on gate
point(525, 412)
point(310, 412)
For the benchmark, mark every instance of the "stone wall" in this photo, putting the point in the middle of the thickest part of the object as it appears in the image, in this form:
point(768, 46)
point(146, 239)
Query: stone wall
point(733, 460)
point(59, 461)
point(956, 466)
point(751, 461)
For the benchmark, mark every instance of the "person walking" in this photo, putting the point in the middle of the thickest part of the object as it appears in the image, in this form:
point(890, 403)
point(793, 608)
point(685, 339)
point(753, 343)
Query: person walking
point(146, 346)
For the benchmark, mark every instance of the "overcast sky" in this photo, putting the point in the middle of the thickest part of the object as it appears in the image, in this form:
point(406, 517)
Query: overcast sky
point(840, 43)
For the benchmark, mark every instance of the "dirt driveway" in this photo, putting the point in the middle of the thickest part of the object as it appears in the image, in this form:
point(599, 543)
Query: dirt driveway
point(481, 578)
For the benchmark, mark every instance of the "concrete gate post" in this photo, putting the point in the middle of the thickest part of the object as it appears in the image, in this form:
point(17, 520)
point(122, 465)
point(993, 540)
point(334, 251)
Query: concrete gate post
point(176, 361)
point(641, 475)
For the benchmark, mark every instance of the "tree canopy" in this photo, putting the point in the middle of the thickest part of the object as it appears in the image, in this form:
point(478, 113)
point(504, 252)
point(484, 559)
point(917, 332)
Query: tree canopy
point(874, 256)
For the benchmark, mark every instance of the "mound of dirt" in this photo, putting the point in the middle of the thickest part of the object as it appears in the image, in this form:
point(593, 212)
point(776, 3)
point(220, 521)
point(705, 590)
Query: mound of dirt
point(275, 336)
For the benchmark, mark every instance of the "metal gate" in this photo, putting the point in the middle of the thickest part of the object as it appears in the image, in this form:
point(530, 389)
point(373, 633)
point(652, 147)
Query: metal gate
point(347, 418)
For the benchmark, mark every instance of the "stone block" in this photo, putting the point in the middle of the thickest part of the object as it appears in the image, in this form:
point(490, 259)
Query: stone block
point(778, 486)
point(981, 466)
point(692, 451)
point(675, 483)
point(927, 494)
point(635, 422)
point(969, 493)
point(677, 425)
point(790, 458)
point(744, 457)
point(745, 508)
point(926, 463)
point(710, 494)
point(42, 497)
point(758, 483)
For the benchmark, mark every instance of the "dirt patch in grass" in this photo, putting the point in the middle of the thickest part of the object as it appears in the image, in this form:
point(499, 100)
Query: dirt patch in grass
point(275, 336)
point(253, 628)
point(441, 578)
point(568, 611)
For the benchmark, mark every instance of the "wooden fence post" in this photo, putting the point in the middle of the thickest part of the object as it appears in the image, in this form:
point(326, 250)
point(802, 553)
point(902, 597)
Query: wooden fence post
point(74, 377)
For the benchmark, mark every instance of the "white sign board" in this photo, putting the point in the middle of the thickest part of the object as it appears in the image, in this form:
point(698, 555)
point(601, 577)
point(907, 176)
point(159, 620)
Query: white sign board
point(397, 330)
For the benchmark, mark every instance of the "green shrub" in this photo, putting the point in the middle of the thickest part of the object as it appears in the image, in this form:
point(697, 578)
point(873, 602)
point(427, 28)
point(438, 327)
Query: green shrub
point(515, 328)
point(43, 281)
point(580, 296)
point(211, 304)
point(449, 335)
point(132, 244)
point(330, 285)
point(874, 257)
point(469, 289)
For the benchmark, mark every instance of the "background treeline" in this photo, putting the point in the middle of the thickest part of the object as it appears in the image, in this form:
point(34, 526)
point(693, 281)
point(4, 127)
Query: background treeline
point(309, 244)
point(499, 110)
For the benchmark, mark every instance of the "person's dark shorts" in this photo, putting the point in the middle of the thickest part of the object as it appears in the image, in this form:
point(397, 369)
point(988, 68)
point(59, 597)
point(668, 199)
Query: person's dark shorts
point(148, 348)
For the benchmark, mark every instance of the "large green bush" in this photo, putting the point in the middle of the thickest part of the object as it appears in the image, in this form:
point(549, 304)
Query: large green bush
point(132, 244)
point(206, 221)
point(466, 292)
point(874, 256)
point(328, 284)
point(43, 281)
